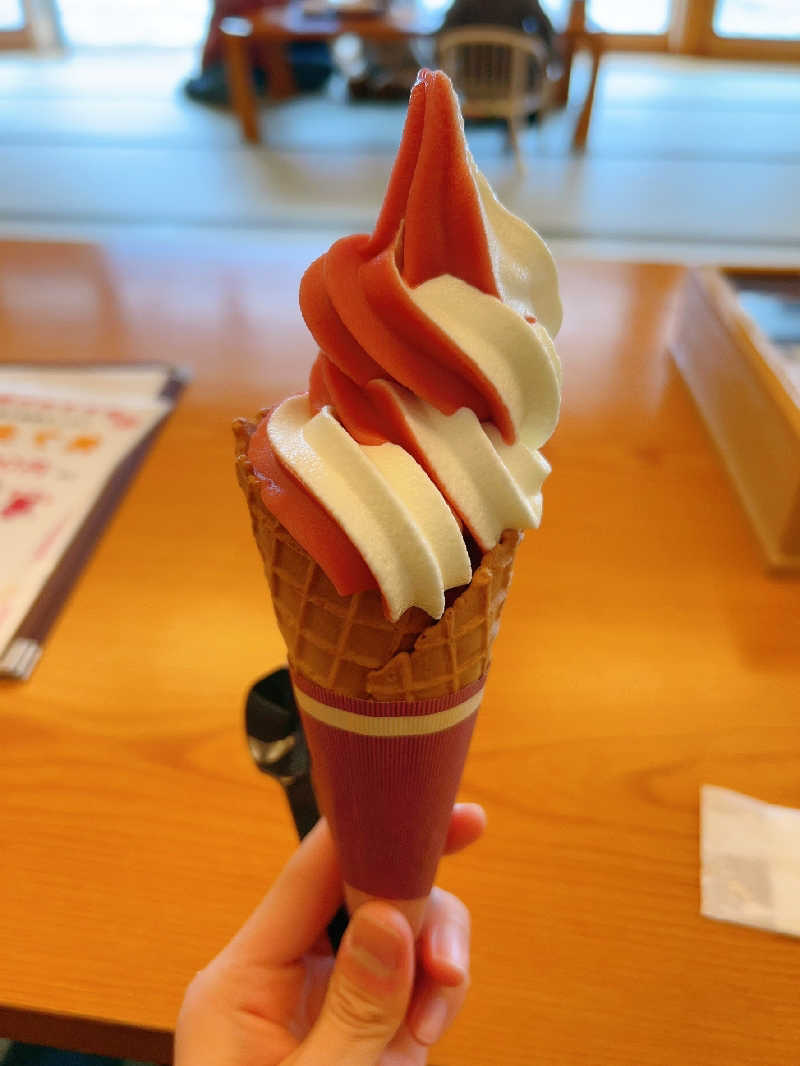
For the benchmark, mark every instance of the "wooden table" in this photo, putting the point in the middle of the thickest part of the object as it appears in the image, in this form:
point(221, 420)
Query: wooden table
point(643, 652)
point(273, 29)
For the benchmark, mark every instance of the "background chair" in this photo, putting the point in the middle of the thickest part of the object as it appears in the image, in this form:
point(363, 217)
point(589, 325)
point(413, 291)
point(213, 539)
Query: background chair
point(498, 73)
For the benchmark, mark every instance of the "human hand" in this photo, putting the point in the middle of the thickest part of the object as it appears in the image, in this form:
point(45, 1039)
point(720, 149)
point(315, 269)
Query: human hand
point(275, 994)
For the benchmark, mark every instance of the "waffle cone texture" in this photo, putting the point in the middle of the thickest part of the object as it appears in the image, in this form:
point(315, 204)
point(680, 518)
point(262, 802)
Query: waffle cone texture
point(346, 644)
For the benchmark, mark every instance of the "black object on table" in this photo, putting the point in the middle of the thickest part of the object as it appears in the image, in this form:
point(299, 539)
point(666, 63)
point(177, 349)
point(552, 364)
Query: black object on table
point(278, 746)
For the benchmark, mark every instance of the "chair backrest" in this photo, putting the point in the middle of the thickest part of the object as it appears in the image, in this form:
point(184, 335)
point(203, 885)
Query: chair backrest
point(495, 70)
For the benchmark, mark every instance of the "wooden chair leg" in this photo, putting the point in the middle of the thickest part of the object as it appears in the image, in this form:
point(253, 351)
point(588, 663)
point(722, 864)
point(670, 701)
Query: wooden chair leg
point(513, 137)
point(279, 71)
point(575, 31)
point(237, 36)
point(582, 127)
point(561, 88)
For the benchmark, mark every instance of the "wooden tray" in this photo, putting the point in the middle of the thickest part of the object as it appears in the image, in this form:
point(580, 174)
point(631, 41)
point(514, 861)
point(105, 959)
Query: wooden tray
point(737, 345)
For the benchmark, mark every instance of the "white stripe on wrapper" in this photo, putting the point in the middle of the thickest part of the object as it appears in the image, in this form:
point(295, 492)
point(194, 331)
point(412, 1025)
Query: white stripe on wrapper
point(412, 725)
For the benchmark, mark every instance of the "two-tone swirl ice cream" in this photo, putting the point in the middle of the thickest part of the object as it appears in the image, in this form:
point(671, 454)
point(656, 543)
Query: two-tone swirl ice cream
point(388, 499)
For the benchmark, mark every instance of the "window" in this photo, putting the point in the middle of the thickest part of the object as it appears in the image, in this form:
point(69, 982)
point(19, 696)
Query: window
point(757, 18)
point(630, 16)
point(100, 23)
point(12, 16)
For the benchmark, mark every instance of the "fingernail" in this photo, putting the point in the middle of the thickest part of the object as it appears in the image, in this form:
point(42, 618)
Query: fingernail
point(449, 945)
point(377, 946)
point(431, 1020)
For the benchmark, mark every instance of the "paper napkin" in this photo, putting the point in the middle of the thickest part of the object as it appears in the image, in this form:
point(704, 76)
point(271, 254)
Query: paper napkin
point(750, 861)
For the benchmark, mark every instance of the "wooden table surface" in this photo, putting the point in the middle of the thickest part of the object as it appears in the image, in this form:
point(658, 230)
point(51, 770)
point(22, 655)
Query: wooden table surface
point(643, 652)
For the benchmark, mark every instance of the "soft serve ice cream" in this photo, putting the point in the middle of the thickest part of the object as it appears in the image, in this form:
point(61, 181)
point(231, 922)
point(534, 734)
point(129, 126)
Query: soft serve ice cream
point(388, 500)
point(436, 382)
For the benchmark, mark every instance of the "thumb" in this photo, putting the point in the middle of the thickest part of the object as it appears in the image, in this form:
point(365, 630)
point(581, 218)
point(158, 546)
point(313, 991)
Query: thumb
point(368, 993)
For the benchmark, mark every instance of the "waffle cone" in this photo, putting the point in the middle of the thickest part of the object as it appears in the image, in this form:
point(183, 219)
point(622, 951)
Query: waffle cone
point(346, 644)
point(388, 708)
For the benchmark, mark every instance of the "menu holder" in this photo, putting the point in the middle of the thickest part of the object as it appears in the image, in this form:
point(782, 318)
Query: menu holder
point(737, 345)
point(71, 440)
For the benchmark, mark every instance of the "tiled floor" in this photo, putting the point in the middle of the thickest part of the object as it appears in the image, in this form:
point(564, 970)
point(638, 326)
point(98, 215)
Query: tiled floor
point(686, 159)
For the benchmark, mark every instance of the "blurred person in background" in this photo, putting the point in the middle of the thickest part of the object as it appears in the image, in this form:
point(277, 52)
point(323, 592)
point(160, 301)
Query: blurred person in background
point(310, 60)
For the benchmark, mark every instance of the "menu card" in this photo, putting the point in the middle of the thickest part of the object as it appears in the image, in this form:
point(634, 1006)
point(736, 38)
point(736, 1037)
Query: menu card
point(70, 440)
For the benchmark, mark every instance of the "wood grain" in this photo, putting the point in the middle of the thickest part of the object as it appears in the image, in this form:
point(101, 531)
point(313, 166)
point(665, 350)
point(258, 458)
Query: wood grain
point(643, 652)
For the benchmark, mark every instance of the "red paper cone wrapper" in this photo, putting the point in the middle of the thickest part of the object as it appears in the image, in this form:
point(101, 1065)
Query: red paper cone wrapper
point(386, 776)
